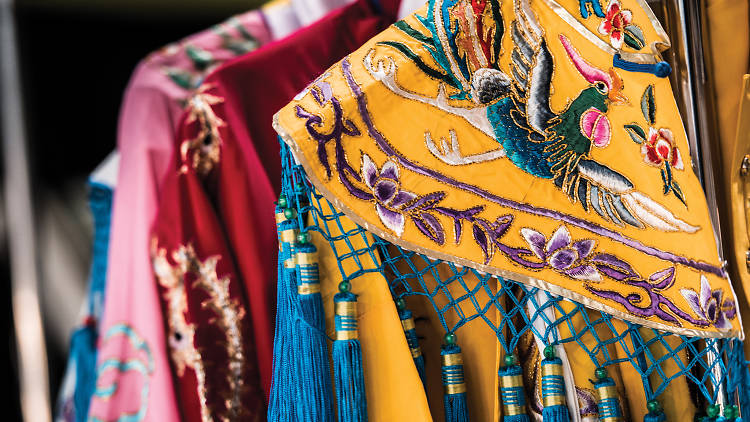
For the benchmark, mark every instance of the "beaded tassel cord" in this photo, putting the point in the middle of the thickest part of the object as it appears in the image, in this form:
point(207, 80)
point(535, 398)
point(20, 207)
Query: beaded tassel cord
point(316, 403)
point(511, 391)
point(608, 400)
point(407, 322)
point(347, 358)
point(454, 398)
point(553, 388)
point(282, 403)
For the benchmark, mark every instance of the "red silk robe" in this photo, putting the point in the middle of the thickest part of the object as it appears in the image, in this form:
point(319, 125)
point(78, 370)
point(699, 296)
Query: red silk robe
point(214, 240)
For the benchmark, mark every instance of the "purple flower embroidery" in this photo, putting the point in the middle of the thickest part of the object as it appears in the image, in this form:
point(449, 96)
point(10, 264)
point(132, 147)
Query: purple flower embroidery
point(562, 254)
point(386, 188)
point(710, 305)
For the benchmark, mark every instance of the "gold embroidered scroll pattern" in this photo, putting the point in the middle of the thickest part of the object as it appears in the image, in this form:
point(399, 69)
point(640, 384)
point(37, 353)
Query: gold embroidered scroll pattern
point(206, 145)
point(228, 314)
point(181, 333)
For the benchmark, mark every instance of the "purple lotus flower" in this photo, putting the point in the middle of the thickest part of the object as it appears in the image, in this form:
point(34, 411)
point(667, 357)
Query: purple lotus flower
point(563, 255)
point(710, 305)
point(386, 188)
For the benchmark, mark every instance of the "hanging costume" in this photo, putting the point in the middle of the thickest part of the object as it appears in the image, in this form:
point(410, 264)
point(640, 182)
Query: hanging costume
point(79, 380)
point(518, 166)
point(134, 378)
point(208, 233)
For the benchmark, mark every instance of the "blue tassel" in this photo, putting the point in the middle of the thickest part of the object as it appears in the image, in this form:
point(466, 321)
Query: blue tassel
point(407, 322)
point(83, 353)
point(282, 401)
point(454, 398)
point(313, 369)
point(553, 388)
point(511, 391)
point(608, 401)
point(351, 400)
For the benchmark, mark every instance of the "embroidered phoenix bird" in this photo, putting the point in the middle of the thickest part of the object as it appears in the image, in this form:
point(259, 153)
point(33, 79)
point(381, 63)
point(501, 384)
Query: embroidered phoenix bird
point(512, 105)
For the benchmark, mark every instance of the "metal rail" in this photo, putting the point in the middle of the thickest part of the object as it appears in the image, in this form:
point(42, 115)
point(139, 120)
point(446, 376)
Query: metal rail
point(32, 355)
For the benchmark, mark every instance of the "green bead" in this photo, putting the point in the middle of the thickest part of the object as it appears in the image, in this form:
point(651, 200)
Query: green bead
point(400, 304)
point(600, 373)
point(653, 406)
point(303, 238)
point(549, 352)
point(290, 213)
point(712, 411)
point(345, 287)
point(450, 338)
point(282, 201)
point(730, 412)
point(510, 360)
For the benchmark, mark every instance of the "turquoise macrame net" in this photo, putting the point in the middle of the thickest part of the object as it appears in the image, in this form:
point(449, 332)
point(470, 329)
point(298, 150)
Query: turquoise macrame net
point(715, 369)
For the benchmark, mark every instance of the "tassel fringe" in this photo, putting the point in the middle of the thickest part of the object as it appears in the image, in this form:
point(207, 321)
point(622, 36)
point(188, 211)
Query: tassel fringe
point(454, 399)
point(407, 322)
point(511, 391)
point(553, 388)
point(608, 401)
point(347, 359)
point(281, 405)
point(313, 375)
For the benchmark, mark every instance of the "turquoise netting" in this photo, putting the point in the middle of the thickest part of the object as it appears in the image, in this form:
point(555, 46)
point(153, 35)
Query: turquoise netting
point(716, 369)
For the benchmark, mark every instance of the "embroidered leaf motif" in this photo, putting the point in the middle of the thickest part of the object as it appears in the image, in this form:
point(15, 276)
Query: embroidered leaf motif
point(430, 226)
point(613, 267)
point(426, 202)
point(201, 58)
point(648, 105)
point(637, 134)
point(634, 37)
point(662, 279)
point(483, 240)
point(182, 78)
point(406, 51)
point(678, 192)
point(667, 176)
point(408, 30)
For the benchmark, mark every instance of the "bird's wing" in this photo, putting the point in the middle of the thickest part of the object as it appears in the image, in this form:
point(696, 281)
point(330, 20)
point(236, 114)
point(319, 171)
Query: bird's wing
point(613, 197)
point(531, 67)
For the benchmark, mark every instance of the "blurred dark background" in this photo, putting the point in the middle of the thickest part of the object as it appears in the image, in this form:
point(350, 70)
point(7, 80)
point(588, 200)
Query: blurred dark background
point(76, 57)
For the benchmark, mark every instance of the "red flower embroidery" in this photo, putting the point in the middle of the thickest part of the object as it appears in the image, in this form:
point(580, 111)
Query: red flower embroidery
point(660, 148)
point(614, 23)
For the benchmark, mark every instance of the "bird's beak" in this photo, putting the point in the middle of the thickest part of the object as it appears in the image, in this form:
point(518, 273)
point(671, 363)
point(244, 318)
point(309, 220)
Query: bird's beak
point(616, 96)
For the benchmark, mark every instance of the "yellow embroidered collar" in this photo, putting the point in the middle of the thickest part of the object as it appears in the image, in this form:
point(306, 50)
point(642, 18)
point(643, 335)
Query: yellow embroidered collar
point(504, 137)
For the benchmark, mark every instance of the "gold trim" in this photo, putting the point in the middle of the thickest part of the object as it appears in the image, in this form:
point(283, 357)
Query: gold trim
point(455, 388)
point(408, 324)
point(611, 419)
point(280, 217)
point(347, 335)
point(551, 370)
point(308, 288)
point(307, 258)
point(556, 400)
point(288, 236)
point(300, 158)
point(346, 308)
point(512, 381)
point(607, 392)
point(452, 359)
point(289, 263)
point(416, 352)
point(513, 409)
